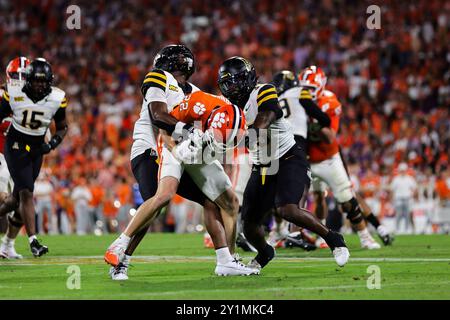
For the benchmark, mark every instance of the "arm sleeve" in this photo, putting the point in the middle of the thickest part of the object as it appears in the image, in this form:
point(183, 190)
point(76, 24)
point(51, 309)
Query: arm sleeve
point(60, 114)
point(313, 110)
point(267, 100)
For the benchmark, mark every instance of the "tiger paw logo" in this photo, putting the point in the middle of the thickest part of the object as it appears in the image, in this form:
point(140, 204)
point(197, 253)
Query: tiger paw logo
point(218, 120)
point(199, 108)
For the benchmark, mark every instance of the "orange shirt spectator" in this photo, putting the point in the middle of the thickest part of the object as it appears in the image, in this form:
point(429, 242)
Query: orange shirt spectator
point(123, 192)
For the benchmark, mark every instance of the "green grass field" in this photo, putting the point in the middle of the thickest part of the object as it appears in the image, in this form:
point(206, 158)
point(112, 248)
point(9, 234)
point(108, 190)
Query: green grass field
point(171, 266)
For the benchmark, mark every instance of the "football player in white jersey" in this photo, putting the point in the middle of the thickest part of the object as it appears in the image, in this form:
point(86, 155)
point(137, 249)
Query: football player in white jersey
point(163, 89)
point(33, 107)
point(15, 76)
point(297, 108)
point(159, 86)
point(327, 165)
point(280, 176)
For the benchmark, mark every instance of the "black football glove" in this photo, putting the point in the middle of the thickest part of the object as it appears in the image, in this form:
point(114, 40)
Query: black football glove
point(46, 148)
point(314, 132)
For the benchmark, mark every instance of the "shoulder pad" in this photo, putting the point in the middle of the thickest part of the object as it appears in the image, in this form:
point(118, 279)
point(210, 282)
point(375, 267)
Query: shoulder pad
point(155, 78)
point(330, 98)
point(266, 92)
point(57, 94)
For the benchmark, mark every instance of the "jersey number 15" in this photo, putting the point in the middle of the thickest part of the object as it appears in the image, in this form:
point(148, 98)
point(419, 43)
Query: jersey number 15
point(29, 119)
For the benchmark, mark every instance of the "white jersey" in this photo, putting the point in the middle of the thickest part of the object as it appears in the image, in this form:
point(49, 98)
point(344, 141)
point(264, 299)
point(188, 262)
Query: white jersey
point(163, 87)
point(294, 112)
point(279, 132)
point(33, 118)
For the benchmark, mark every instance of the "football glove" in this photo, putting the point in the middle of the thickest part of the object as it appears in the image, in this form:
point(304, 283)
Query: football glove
point(196, 137)
point(46, 148)
point(314, 132)
point(187, 152)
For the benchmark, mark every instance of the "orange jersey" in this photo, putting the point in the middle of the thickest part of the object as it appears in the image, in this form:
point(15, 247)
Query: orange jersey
point(198, 107)
point(443, 188)
point(320, 151)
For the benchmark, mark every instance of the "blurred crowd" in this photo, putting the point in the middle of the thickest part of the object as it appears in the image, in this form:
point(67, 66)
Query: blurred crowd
point(393, 84)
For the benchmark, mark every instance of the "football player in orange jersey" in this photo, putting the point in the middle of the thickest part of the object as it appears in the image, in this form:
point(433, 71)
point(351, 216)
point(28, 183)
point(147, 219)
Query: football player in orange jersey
point(15, 76)
point(327, 165)
point(221, 125)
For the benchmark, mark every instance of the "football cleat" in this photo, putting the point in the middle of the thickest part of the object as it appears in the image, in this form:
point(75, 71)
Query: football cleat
point(341, 255)
point(243, 243)
point(235, 268)
point(276, 239)
point(7, 251)
point(384, 235)
point(295, 240)
point(308, 236)
point(207, 241)
point(370, 244)
point(338, 247)
point(115, 253)
point(37, 249)
point(119, 273)
point(253, 264)
point(320, 243)
point(367, 242)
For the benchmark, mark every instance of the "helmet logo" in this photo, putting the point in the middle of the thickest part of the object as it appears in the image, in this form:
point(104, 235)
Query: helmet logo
point(289, 76)
point(190, 62)
point(248, 66)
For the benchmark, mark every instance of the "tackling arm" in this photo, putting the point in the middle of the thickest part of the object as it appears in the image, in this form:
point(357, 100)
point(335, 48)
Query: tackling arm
point(313, 110)
point(168, 124)
point(264, 119)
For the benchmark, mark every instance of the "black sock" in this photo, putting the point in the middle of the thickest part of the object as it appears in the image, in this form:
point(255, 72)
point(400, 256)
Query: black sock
point(373, 220)
point(265, 256)
point(334, 239)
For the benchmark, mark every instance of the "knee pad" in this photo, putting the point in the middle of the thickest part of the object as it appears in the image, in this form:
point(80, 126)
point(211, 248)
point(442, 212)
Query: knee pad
point(15, 220)
point(353, 211)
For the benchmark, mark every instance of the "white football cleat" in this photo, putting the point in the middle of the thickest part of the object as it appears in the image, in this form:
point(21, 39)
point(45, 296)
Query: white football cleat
point(7, 251)
point(234, 268)
point(367, 242)
point(253, 264)
point(341, 255)
point(115, 253)
point(119, 273)
point(384, 235)
point(276, 238)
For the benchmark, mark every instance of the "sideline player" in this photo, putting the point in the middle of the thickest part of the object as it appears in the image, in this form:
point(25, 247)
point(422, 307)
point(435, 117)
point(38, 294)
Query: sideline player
point(33, 108)
point(283, 188)
point(15, 76)
point(326, 163)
